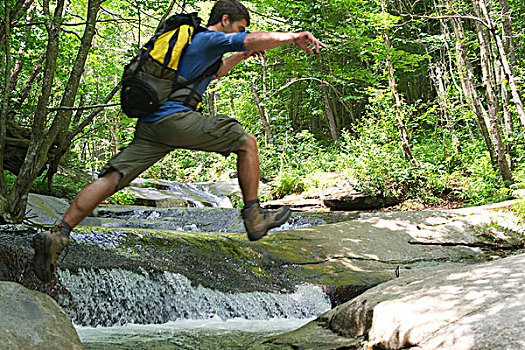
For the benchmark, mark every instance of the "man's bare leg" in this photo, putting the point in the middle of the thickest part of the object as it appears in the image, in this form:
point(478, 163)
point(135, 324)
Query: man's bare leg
point(257, 221)
point(248, 169)
point(90, 197)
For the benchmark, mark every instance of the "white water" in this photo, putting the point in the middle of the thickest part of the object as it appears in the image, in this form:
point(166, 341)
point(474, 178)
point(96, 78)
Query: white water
point(118, 297)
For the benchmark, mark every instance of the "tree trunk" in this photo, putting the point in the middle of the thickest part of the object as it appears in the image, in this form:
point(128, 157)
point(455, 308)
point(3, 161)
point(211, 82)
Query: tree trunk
point(492, 100)
point(403, 134)
point(28, 85)
point(443, 104)
point(211, 103)
point(327, 106)
point(262, 115)
point(42, 139)
point(232, 106)
point(29, 171)
point(508, 41)
point(5, 105)
point(466, 76)
point(329, 114)
point(493, 27)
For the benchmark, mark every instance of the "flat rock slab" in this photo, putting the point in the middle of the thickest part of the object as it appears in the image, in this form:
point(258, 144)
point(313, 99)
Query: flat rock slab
point(373, 250)
point(469, 308)
point(33, 320)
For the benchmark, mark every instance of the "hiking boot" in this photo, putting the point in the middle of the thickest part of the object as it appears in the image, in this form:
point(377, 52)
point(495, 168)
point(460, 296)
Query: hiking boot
point(258, 221)
point(48, 246)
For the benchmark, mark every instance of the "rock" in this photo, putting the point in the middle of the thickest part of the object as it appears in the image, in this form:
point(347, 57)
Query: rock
point(354, 200)
point(33, 320)
point(335, 198)
point(231, 187)
point(169, 194)
point(370, 250)
point(519, 193)
point(48, 210)
point(152, 197)
point(472, 307)
point(476, 307)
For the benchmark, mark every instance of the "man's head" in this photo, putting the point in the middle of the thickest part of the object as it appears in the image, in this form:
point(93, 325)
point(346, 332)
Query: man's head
point(230, 15)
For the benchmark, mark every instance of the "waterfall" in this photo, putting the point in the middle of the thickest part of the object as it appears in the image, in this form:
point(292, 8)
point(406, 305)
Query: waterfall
point(117, 297)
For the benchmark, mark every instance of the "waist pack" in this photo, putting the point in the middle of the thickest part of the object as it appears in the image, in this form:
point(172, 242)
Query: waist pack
point(151, 78)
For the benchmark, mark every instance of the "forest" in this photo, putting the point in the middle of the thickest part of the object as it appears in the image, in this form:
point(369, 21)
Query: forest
point(417, 99)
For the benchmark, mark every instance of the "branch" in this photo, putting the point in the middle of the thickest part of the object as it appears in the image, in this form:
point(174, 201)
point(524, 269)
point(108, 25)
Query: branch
point(93, 114)
point(77, 24)
point(81, 107)
point(71, 32)
point(324, 82)
point(474, 18)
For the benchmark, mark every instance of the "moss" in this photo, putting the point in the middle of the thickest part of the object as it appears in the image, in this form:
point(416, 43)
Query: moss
point(225, 262)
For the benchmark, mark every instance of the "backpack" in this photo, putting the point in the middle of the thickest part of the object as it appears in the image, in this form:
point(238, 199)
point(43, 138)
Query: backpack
point(151, 77)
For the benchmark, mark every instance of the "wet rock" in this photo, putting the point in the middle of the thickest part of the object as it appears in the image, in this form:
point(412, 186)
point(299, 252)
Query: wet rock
point(33, 320)
point(231, 188)
point(48, 210)
point(341, 294)
point(168, 194)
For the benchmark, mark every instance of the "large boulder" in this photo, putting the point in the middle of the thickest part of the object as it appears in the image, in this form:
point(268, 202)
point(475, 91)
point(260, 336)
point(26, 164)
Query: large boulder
point(368, 251)
point(33, 320)
point(480, 306)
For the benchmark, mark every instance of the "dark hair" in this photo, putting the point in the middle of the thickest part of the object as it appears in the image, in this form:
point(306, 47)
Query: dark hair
point(232, 8)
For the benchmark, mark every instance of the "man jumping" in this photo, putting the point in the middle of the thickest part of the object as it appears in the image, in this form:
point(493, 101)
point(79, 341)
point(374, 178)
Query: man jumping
point(178, 125)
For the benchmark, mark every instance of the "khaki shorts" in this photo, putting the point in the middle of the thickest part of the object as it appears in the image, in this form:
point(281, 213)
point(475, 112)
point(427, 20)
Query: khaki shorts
point(189, 130)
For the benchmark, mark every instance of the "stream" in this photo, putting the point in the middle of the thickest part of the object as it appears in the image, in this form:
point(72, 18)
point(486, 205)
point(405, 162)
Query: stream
point(118, 298)
point(213, 333)
point(119, 309)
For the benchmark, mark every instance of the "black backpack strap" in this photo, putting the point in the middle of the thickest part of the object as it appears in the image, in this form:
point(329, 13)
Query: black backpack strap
point(194, 83)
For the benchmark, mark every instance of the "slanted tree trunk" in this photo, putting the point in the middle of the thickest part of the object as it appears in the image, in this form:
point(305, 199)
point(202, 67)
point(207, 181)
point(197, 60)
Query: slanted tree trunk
point(47, 133)
point(491, 118)
point(466, 76)
point(493, 27)
point(403, 134)
point(262, 114)
point(28, 85)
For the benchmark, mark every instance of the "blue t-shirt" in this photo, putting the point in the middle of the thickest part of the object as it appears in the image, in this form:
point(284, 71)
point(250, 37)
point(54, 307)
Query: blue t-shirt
point(205, 48)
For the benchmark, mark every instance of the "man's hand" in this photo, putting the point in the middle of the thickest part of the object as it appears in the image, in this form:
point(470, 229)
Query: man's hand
point(261, 54)
point(306, 41)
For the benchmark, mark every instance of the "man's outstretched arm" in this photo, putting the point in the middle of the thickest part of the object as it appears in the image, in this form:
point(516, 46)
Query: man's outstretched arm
point(257, 43)
point(260, 41)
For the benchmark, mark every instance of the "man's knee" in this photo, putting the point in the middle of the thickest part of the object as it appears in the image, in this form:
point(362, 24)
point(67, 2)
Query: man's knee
point(250, 145)
point(112, 178)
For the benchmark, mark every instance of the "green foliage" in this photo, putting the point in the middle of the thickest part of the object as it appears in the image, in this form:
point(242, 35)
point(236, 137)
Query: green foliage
point(122, 197)
point(286, 183)
point(368, 153)
point(63, 186)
